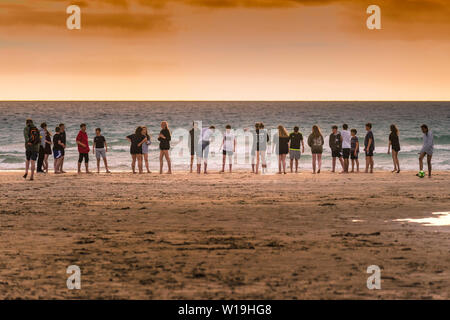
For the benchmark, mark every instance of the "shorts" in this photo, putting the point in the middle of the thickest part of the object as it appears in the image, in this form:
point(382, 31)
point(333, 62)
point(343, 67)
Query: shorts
point(57, 154)
point(228, 153)
point(346, 153)
point(84, 156)
point(31, 155)
point(294, 154)
point(336, 154)
point(205, 151)
point(100, 153)
point(63, 152)
point(353, 157)
point(369, 153)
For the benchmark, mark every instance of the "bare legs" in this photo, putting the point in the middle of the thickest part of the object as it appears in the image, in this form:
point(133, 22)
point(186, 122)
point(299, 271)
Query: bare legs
point(147, 166)
point(316, 157)
point(334, 164)
point(282, 163)
point(137, 157)
point(30, 165)
point(396, 162)
point(369, 164)
point(164, 154)
point(353, 165)
point(45, 163)
point(422, 155)
point(230, 159)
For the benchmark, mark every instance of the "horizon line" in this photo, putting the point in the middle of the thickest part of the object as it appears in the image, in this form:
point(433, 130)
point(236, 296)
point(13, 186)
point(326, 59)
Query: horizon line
point(188, 100)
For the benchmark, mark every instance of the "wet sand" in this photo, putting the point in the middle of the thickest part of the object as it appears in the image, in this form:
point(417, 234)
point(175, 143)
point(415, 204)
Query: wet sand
point(222, 236)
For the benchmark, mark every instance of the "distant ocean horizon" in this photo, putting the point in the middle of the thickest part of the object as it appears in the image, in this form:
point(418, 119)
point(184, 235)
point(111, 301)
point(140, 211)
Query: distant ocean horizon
point(120, 118)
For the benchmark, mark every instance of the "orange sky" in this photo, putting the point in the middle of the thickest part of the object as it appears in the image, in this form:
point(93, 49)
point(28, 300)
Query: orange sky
point(224, 50)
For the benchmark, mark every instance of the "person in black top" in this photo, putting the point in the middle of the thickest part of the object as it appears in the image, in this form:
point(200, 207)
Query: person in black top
point(394, 143)
point(369, 148)
point(193, 143)
point(62, 134)
point(295, 140)
point(58, 147)
point(100, 148)
point(164, 147)
point(281, 141)
point(136, 139)
point(335, 143)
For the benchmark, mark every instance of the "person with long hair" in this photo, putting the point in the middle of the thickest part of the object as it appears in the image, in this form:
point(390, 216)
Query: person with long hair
point(394, 143)
point(228, 147)
point(145, 146)
point(281, 141)
point(164, 147)
point(47, 147)
point(427, 148)
point(315, 142)
point(137, 140)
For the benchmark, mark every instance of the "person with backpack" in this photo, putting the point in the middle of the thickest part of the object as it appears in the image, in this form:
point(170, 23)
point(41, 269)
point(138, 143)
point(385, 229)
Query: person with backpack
point(315, 142)
point(32, 144)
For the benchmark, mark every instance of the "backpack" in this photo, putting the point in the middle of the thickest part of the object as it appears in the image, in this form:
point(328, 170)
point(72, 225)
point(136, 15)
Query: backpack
point(34, 136)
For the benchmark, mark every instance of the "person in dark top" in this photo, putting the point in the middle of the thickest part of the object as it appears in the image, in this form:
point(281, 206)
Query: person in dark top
point(281, 143)
point(58, 148)
point(394, 143)
point(335, 143)
point(255, 160)
point(47, 149)
point(164, 147)
point(62, 134)
point(369, 147)
point(315, 142)
point(354, 150)
point(194, 144)
point(137, 140)
point(100, 148)
point(295, 141)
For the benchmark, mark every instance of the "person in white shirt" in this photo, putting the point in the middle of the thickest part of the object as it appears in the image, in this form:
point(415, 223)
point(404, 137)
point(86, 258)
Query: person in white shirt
point(427, 148)
point(206, 137)
point(346, 146)
point(229, 147)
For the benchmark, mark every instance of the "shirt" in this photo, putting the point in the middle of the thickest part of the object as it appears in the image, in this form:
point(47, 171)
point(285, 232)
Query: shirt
point(99, 142)
point(83, 138)
point(206, 134)
point(295, 139)
point(335, 142)
point(56, 145)
point(346, 139)
point(369, 135)
point(354, 140)
point(43, 134)
point(228, 141)
point(428, 144)
point(26, 135)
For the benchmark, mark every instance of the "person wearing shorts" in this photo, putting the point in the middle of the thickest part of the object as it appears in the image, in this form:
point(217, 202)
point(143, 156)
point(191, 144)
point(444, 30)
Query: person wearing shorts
point(100, 148)
point(427, 148)
point(369, 148)
point(354, 150)
point(193, 143)
point(335, 143)
point(83, 148)
point(229, 147)
point(295, 140)
point(346, 146)
point(32, 144)
point(62, 134)
point(58, 147)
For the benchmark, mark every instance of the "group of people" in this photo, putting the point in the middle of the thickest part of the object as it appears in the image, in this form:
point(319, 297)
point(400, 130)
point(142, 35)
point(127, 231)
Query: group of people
point(344, 145)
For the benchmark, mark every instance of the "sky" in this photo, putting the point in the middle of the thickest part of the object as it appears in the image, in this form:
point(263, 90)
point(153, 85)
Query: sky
point(225, 50)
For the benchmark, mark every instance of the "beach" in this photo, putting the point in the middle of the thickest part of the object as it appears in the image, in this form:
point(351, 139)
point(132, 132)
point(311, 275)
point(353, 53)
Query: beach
point(223, 236)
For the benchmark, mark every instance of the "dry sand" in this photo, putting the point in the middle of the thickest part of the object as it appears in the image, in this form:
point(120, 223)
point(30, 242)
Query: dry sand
point(223, 236)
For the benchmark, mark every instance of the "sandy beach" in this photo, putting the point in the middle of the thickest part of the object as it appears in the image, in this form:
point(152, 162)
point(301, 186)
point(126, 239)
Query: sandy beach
point(222, 236)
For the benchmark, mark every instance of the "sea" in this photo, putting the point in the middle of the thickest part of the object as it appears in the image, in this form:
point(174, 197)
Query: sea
point(120, 119)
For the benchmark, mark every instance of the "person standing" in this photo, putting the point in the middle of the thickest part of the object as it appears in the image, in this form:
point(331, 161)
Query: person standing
point(62, 134)
point(369, 148)
point(83, 148)
point(354, 150)
point(194, 146)
point(100, 148)
point(47, 148)
point(41, 156)
point(206, 140)
point(281, 140)
point(136, 140)
point(346, 146)
point(295, 140)
point(145, 146)
point(335, 143)
point(261, 147)
point(164, 147)
point(427, 148)
point(394, 143)
point(32, 143)
point(229, 147)
point(254, 154)
point(58, 148)
point(315, 142)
